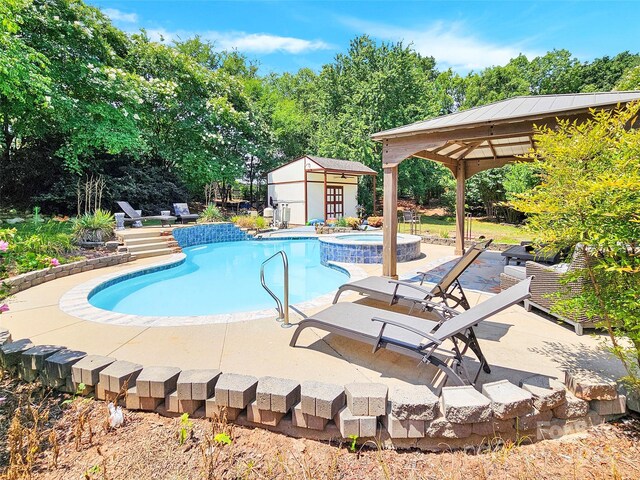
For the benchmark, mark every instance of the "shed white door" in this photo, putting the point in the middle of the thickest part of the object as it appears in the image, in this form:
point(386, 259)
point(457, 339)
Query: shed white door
point(335, 202)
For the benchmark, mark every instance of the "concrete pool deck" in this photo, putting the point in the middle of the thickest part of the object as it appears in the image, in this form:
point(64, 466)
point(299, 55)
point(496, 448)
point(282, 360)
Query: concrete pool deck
point(517, 343)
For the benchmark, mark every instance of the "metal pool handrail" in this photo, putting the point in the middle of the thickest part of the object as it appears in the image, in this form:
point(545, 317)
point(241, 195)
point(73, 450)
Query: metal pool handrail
point(283, 312)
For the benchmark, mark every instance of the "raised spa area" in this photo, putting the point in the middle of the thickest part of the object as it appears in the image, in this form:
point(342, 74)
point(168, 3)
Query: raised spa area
point(365, 248)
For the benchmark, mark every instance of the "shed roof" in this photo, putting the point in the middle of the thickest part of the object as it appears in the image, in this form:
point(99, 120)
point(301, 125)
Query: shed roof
point(512, 109)
point(336, 164)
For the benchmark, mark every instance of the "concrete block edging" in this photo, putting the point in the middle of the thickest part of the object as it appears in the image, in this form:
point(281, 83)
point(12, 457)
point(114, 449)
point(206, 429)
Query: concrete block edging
point(462, 416)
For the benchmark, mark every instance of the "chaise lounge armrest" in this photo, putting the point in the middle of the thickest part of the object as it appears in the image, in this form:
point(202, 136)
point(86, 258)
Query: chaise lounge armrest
point(434, 341)
point(424, 291)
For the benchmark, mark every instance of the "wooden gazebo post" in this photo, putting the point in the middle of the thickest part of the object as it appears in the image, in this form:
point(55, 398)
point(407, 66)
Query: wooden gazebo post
point(390, 222)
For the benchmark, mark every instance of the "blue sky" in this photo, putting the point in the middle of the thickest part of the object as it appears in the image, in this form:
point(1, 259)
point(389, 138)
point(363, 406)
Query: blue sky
point(462, 35)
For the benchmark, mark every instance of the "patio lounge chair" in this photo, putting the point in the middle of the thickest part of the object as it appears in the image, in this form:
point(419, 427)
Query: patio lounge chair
point(181, 211)
point(132, 215)
point(408, 334)
point(448, 289)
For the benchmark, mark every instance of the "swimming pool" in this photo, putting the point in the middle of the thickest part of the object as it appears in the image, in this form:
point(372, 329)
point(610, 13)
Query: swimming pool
point(221, 278)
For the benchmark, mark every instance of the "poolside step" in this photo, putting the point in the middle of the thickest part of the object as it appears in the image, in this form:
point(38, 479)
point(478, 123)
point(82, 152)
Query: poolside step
point(156, 252)
point(143, 247)
point(149, 242)
point(133, 233)
point(145, 240)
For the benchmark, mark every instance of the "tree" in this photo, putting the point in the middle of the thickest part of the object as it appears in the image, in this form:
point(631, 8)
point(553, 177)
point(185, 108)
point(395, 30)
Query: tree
point(630, 80)
point(589, 196)
point(370, 88)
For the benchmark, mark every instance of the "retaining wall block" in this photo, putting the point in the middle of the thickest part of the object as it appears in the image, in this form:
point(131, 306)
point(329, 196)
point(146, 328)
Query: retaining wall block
point(633, 397)
point(590, 385)
point(265, 417)
point(174, 404)
point(32, 361)
point(442, 428)
point(235, 391)
point(610, 407)
point(465, 405)
point(213, 410)
point(132, 401)
point(493, 427)
point(157, 382)
point(58, 366)
point(403, 428)
point(557, 427)
point(367, 399)
point(533, 420)
point(197, 384)
point(118, 375)
point(304, 420)
point(414, 403)
point(507, 400)
point(5, 336)
point(574, 407)
point(277, 394)
point(11, 353)
point(548, 393)
point(322, 400)
point(87, 370)
point(358, 425)
point(150, 404)
point(101, 394)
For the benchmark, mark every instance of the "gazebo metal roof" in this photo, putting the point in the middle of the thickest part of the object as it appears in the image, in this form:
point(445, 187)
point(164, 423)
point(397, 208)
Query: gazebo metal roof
point(493, 134)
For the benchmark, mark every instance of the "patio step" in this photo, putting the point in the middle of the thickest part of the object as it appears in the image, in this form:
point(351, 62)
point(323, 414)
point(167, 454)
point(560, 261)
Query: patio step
point(134, 233)
point(157, 252)
point(149, 242)
point(144, 240)
point(143, 247)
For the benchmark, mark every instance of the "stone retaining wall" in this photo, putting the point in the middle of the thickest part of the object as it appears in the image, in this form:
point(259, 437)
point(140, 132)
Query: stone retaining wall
point(31, 279)
point(410, 417)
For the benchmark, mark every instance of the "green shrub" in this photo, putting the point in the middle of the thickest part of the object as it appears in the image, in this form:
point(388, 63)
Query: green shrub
point(94, 227)
point(342, 222)
point(261, 223)
point(211, 214)
point(244, 221)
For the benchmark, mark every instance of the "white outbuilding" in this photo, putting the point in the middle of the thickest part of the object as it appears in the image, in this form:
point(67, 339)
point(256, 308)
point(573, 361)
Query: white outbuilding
point(317, 188)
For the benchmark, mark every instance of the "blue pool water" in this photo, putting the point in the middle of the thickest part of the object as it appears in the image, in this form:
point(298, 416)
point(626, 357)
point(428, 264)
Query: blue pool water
point(363, 238)
point(223, 278)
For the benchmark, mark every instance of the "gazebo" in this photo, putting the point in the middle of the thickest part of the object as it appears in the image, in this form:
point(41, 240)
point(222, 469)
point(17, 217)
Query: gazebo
point(474, 140)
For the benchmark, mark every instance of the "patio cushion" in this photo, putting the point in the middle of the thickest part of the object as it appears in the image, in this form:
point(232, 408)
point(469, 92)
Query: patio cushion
point(516, 271)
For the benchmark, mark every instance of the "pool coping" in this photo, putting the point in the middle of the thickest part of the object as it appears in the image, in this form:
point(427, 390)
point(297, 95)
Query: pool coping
point(75, 302)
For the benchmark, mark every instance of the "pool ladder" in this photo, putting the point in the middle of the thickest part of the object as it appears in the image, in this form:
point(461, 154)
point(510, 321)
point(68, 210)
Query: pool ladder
point(282, 307)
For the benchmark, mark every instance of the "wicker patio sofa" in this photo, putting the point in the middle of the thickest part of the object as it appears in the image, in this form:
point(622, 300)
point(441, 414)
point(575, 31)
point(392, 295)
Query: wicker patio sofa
point(548, 280)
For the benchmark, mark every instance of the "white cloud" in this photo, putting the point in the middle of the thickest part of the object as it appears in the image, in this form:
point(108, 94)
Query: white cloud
point(450, 44)
point(242, 41)
point(119, 16)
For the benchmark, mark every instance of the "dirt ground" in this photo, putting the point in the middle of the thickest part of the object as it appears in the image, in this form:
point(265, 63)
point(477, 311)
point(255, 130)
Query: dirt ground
point(45, 436)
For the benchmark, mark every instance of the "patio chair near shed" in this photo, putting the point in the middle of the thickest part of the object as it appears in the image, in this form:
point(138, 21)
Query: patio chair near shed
point(132, 215)
point(415, 336)
point(448, 290)
point(181, 211)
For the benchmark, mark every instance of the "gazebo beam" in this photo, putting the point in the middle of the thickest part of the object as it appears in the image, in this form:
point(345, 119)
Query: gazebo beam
point(398, 148)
